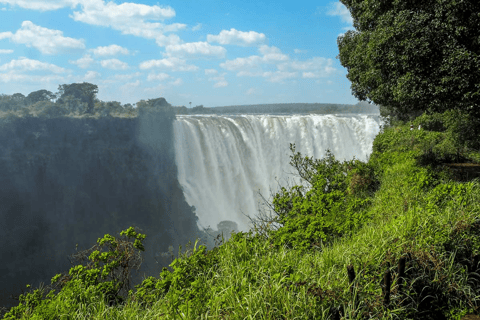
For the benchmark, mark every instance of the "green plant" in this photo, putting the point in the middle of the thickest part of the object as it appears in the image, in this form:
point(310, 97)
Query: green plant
point(85, 284)
point(334, 206)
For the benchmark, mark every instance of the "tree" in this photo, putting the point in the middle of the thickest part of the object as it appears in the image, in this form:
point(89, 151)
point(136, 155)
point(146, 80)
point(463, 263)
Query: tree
point(85, 92)
point(411, 56)
point(40, 95)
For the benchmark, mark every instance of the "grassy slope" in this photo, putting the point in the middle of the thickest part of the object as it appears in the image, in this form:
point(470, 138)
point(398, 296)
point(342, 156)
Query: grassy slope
point(417, 211)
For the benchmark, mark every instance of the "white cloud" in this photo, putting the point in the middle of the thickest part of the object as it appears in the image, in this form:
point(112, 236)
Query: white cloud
point(299, 51)
point(251, 91)
point(110, 50)
point(16, 77)
point(252, 66)
point(239, 38)
point(114, 64)
point(177, 82)
point(195, 48)
point(83, 62)
point(25, 64)
point(47, 41)
point(241, 64)
point(157, 77)
point(308, 75)
point(133, 84)
point(123, 77)
point(42, 5)
point(6, 34)
point(91, 75)
point(279, 76)
point(172, 63)
point(5, 51)
point(219, 78)
point(271, 54)
point(312, 68)
point(130, 18)
point(210, 71)
point(220, 84)
point(339, 9)
point(163, 40)
point(197, 27)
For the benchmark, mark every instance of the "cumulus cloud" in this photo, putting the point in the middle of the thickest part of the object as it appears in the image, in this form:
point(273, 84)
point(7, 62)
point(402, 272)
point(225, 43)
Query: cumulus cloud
point(218, 79)
point(238, 64)
point(114, 64)
point(210, 71)
point(130, 18)
point(195, 48)
point(83, 62)
point(252, 65)
point(25, 64)
point(16, 77)
point(157, 77)
point(110, 50)
point(315, 67)
point(42, 5)
point(5, 51)
point(220, 84)
point(272, 54)
point(197, 27)
point(91, 75)
point(339, 9)
point(239, 38)
point(172, 63)
point(299, 51)
point(252, 91)
point(279, 76)
point(177, 82)
point(124, 77)
point(47, 41)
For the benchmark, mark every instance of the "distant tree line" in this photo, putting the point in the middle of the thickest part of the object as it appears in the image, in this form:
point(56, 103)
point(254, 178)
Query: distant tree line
point(74, 99)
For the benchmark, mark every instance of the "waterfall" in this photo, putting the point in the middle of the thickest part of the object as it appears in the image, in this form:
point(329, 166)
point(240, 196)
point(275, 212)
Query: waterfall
point(224, 160)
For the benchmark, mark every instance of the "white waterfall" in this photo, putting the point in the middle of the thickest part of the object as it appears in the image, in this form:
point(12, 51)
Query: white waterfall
point(223, 160)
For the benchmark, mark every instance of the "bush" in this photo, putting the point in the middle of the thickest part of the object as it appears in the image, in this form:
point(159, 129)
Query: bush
point(84, 285)
point(335, 205)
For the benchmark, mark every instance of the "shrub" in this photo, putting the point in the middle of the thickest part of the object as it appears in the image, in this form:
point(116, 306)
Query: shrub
point(84, 285)
point(334, 206)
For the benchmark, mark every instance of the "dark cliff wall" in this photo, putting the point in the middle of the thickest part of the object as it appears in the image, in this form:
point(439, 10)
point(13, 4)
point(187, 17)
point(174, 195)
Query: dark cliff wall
point(67, 181)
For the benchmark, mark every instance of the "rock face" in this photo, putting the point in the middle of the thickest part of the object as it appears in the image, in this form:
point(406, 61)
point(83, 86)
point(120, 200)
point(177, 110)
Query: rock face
point(71, 180)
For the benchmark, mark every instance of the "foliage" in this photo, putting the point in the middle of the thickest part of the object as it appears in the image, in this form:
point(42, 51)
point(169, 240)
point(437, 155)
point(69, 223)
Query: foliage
point(108, 108)
point(408, 210)
point(39, 95)
point(85, 284)
point(48, 109)
point(181, 285)
point(411, 56)
point(85, 92)
point(334, 206)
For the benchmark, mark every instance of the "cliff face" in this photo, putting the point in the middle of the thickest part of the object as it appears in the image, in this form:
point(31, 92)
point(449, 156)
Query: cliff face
point(67, 181)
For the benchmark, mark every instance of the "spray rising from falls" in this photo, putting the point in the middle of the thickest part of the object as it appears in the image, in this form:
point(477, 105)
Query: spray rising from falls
point(223, 161)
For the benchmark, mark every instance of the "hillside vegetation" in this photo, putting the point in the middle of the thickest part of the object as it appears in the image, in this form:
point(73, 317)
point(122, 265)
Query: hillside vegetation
point(393, 238)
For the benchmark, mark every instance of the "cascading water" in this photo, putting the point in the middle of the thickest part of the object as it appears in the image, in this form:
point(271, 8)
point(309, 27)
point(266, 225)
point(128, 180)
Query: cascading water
point(224, 160)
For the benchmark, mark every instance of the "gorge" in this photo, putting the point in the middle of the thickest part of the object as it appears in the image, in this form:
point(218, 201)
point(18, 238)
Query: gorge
point(67, 181)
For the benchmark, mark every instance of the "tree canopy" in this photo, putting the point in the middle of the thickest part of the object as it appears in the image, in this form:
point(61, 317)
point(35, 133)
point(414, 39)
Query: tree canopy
point(39, 95)
point(411, 56)
point(85, 92)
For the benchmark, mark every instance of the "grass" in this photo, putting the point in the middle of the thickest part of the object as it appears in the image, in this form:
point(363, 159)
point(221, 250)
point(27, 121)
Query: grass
point(417, 212)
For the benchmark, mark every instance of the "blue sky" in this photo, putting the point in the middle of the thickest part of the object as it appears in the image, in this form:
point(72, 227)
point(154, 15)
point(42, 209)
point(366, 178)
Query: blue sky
point(214, 53)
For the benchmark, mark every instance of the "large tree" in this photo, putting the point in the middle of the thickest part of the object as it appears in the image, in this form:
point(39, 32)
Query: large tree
point(409, 56)
point(85, 92)
point(40, 95)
